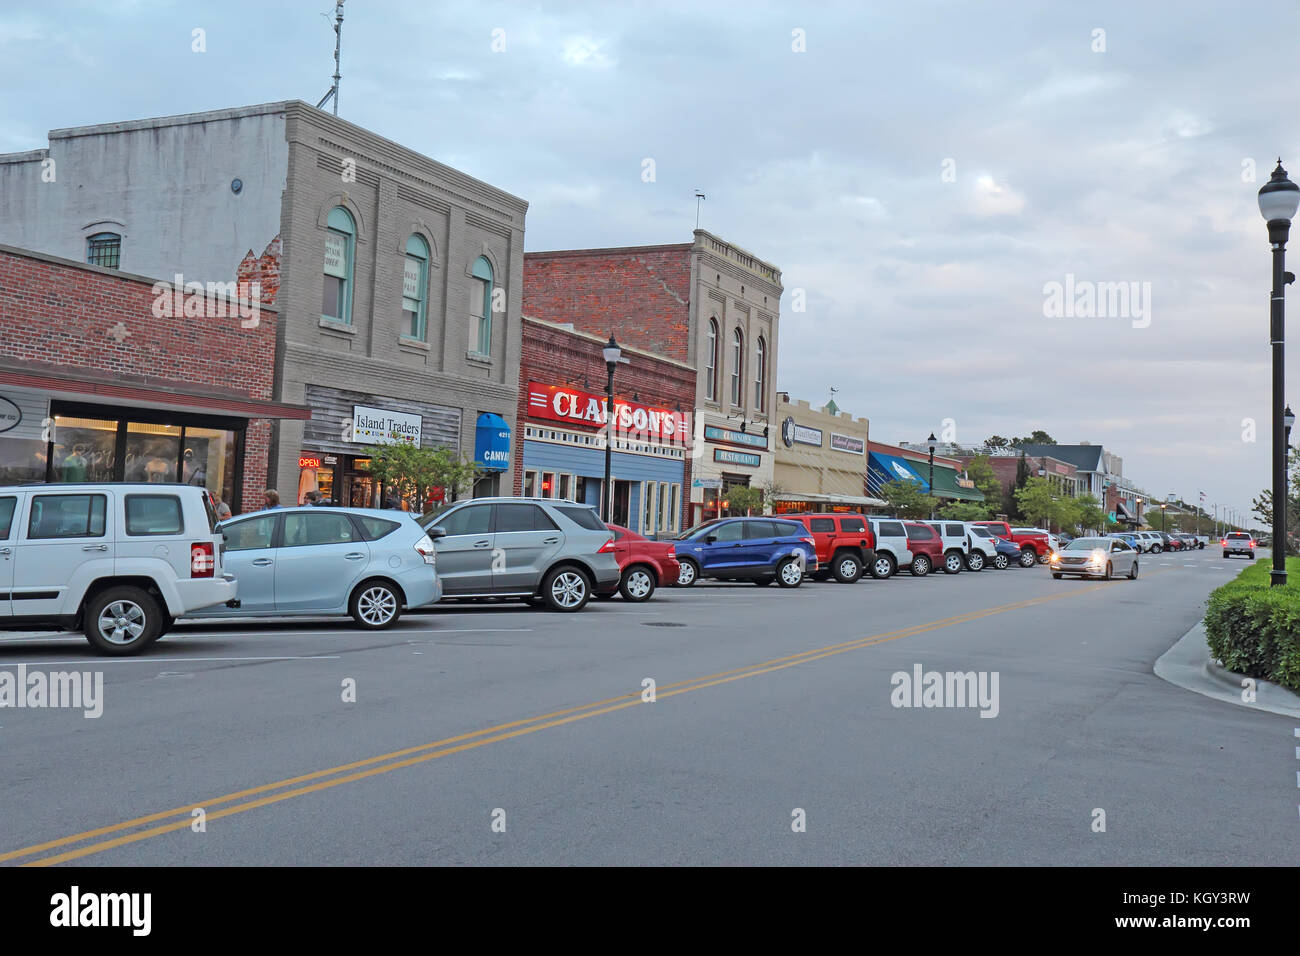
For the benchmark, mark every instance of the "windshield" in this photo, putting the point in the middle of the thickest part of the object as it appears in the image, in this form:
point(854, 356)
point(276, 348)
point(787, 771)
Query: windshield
point(698, 531)
point(982, 532)
point(1088, 544)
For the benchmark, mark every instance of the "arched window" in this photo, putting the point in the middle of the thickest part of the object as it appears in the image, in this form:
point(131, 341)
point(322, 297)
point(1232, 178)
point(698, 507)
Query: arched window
point(711, 363)
point(340, 255)
point(760, 375)
point(415, 283)
point(104, 249)
point(480, 307)
point(737, 366)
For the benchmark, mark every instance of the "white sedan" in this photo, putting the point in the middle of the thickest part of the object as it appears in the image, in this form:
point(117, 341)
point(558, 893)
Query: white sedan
point(1096, 557)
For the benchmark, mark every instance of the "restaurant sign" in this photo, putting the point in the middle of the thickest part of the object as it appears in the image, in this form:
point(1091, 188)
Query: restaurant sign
point(632, 420)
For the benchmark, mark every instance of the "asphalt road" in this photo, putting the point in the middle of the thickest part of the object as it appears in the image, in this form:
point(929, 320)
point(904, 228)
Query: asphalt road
point(767, 702)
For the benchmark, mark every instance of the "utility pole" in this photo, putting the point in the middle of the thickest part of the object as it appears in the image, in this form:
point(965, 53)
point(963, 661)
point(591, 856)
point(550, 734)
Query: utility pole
point(338, 44)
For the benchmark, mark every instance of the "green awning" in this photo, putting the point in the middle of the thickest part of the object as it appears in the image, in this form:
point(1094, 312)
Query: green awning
point(945, 485)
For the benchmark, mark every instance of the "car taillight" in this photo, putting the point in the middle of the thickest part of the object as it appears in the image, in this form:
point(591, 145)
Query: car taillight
point(427, 551)
point(810, 542)
point(203, 562)
point(606, 548)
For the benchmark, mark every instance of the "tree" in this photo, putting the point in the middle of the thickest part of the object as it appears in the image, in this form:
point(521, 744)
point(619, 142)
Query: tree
point(1262, 505)
point(907, 499)
point(965, 511)
point(1037, 501)
point(996, 441)
point(1036, 437)
point(980, 470)
point(413, 471)
point(1088, 510)
point(745, 498)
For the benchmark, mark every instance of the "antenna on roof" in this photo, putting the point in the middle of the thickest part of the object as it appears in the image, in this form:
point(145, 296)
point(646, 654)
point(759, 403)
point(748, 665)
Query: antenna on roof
point(338, 43)
point(698, 196)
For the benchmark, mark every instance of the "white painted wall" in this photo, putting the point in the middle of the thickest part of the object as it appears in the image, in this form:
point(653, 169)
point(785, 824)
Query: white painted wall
point(164, 184)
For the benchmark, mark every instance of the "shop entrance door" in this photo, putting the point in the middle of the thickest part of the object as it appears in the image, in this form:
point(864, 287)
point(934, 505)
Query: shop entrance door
point(621, 512)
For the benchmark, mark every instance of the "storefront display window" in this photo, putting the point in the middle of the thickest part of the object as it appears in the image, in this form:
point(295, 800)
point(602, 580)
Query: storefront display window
point(84, 449)
point(152, 452)
point(22, 460)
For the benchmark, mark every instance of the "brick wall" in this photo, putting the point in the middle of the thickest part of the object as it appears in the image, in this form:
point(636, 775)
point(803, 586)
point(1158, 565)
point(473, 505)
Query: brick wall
point(642, 294)
point(89, 320)
point(264, 270)
point(554, 355)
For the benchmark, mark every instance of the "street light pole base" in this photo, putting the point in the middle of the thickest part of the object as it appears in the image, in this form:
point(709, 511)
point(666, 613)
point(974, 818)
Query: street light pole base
point(1276, 578)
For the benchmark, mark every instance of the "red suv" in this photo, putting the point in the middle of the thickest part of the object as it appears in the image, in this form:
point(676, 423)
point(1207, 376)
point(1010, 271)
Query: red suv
point(845, 547)
point(926, 546)
point(1034, 547)
point(644, 564)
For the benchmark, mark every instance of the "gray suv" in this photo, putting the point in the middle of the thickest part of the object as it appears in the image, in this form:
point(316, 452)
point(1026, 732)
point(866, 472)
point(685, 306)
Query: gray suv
point(542, 550)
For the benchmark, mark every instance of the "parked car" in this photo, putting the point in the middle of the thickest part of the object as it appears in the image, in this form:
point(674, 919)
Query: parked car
point(1064, 537)
point(322, 562)
point(956, 544)
point(1034, 545)
point(892, 550)
point(549, 551)
point(844, 544)
point(118, 562)
point(1151, 542)
point(1238, 542)
point(1053, 542)
point(981, 547)
point(1128, 538)
point(643, 565)
point(761, 550)
point(926, 546)
point(1096, 557)
point(1190, 541)
point(999, 551)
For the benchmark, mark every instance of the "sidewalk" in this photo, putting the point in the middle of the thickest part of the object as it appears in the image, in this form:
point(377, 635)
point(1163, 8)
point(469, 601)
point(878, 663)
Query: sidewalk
point(1188, 665)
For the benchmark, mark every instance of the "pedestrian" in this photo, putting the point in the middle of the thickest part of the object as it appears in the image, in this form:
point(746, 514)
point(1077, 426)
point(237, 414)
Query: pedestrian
point(220, 507)
point(311, 498)
point(270, 499)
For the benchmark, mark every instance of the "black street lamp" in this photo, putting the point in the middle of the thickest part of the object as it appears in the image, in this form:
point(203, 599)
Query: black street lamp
point(1163, 506)
point(612, 354)
point(931, 443)
point(1278, 200)
point(1288, 419)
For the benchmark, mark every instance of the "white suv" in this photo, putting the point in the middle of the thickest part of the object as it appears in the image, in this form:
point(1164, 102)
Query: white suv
point(120, 562)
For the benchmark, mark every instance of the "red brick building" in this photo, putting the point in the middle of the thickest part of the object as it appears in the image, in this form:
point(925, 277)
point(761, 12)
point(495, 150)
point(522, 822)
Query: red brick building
point(107, 376)
point(561, 453)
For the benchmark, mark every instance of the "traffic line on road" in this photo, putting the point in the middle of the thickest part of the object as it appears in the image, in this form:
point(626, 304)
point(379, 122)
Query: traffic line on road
point(385, 763)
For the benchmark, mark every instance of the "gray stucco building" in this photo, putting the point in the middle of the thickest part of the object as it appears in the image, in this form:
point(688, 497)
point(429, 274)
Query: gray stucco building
point(398, 280)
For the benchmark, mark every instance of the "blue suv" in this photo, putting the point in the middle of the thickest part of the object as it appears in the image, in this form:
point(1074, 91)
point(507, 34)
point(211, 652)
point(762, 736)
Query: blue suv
point(761, 550)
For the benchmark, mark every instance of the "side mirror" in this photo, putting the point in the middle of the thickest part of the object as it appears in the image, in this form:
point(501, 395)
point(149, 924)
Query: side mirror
point(710, 539)
point(435, 532)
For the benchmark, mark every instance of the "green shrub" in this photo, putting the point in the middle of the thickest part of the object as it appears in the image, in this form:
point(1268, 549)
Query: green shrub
point(1254, 629)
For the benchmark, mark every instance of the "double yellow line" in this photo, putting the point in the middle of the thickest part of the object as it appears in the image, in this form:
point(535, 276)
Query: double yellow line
point(104, 838)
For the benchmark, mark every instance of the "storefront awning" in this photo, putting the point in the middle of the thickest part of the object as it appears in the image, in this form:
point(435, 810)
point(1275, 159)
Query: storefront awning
point(858, 500)
point(882, 468)
point(492, 442)
point(946, 485)
point(68, 387)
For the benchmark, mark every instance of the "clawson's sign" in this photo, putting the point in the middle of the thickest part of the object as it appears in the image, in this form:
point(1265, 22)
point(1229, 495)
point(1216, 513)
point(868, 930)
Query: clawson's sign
point(632, 420)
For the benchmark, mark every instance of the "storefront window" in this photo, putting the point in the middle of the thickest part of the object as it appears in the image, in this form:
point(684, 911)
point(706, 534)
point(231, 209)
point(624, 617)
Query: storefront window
point(84, 449)
point(22, 460)
point(548, 484)
point(530, 484)
point(564, 486)
point(152, 452)
point(648, 507)
point(208, 460)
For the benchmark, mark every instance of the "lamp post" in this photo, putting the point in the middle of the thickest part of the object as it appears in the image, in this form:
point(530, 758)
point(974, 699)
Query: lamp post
point(1278, 200)
point(932, 443)
point(1163, 506)
point(612, 354)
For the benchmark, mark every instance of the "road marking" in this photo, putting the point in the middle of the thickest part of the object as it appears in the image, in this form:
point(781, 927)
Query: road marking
point(170, 660)
point(467, 741)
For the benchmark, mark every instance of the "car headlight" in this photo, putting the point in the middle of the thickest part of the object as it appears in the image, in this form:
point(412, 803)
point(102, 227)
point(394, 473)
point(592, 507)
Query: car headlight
point(1056, 558)
point(1097, 557)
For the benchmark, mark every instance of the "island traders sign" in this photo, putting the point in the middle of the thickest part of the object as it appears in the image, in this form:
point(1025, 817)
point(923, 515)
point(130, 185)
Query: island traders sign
point(378, 426)
point(632, 420)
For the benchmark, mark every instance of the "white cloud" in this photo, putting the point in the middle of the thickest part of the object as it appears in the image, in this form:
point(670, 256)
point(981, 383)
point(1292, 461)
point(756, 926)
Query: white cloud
point(586, 51)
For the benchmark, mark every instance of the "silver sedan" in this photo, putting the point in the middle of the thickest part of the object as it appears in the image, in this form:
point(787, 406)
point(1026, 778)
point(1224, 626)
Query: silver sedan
point(1096, 558)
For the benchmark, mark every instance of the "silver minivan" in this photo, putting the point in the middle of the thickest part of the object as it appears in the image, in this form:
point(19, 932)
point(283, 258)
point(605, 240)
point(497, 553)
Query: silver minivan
point(120, 562)
point(541, 550)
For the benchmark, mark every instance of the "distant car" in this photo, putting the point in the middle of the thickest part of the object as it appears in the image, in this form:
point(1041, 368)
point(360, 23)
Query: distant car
point(1096, 557)
point(1191, 541)
point(926, 545)
point(1151, 542)
point(549, 551)
point(999, 552)
point(845, 546)
point(1034, 544)
point(1065, 538)
point(644, 565)
point(1238, 542)
point(1132, 540)
point(1168, 542)
point(323, 562)
point(761, 550)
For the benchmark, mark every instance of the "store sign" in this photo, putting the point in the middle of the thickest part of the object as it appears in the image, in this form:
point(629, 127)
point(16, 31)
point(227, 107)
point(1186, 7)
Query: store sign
point(492, 442)
point(378, 426)
point(854, 446)
point(631, 420)
point(715, 483)
point(306, 462)
point(11, 416)
point(336, 255)
point(791, 433)
point(728, 457)
point(714, 433)
point(411, 279)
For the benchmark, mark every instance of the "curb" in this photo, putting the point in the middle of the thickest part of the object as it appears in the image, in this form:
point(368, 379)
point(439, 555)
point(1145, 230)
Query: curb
point(1188, 665)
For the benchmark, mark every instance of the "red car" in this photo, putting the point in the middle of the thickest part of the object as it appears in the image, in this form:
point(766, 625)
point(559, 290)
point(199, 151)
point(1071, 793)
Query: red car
point(845, 546)
point(1034, 546)
point(645, 564)
point(926, 546)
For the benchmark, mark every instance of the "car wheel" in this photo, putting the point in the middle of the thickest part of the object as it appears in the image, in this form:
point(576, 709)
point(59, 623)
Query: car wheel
point(1110, 571)
point(921, 565)
point(1027, 558)
point(638, 584)
point(566, 589)
point(975, 561)
point(882, 567)
point(1133, 572)
point(375, 605)
point(1001, 561)
point(952, 562)
point(1156, 549)
point(1056, 575)
point(789, 573)
point(688, 572)
point(123, 620)
point(847, 568)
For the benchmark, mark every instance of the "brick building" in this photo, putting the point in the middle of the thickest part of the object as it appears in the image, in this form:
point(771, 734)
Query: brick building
point(109, 376)
point(707, 303)
point(561, 415)
point(397, 278)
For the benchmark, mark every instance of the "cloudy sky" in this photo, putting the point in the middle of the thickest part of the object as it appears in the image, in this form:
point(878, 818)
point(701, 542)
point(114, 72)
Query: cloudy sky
point(921, 171)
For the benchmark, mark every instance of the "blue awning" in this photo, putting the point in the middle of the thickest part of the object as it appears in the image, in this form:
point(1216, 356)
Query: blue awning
point(492, 442)
point(882, 468)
